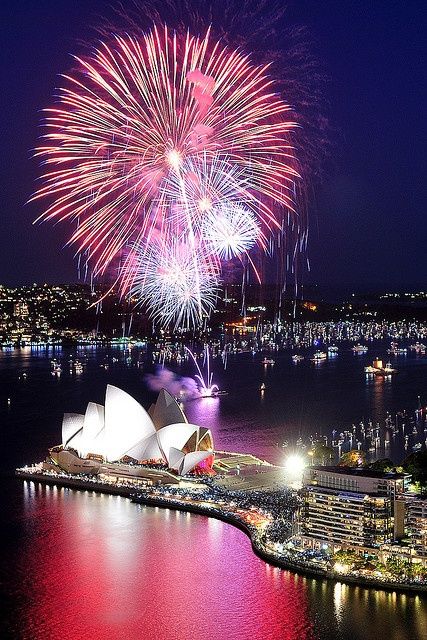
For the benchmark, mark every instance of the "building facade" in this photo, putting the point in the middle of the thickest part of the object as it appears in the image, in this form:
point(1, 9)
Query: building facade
point(344, 507)
point(416, 522)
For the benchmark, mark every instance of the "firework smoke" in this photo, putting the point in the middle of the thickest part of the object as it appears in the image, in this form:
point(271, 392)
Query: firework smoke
point(177, 385)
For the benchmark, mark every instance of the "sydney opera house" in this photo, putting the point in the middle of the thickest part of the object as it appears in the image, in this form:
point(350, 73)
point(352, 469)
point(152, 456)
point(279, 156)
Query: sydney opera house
point(121, 439)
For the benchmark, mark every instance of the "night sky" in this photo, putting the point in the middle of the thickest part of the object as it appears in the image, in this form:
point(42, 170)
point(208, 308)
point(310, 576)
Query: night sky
point(368, 217)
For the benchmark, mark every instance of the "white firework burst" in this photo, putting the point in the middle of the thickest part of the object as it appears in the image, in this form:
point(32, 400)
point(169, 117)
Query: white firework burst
point(202, 184)
point(177, 282)
point(229, 230)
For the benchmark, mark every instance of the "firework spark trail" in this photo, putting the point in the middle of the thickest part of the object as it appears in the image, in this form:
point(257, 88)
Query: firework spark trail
point(144, 124)
point(206, 388)
point(164, 277)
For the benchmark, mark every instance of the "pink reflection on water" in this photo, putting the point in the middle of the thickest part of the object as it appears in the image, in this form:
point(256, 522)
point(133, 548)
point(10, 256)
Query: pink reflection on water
point(100, 566)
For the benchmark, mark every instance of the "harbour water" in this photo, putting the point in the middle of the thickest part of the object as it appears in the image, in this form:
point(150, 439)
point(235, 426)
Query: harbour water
point(77, 564)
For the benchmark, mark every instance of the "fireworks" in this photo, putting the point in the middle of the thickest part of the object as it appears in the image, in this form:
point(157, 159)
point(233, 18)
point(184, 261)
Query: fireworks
point(178, 284)
point(171, 136)
point(230, 230)
point(206, 388)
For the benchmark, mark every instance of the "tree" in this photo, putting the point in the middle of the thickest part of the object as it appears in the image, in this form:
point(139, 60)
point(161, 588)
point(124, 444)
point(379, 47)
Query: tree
point(321, 453)
point(384, 464)
point(416, 465)
point(353, 458)
point(345, 556)
point(399, 567)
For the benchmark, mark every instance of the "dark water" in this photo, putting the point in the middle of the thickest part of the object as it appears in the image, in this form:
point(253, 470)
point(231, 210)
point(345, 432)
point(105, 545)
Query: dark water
point(81, 565)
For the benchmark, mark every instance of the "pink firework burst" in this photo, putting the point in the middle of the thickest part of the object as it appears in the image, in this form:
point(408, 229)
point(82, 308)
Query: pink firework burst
point(130, 117)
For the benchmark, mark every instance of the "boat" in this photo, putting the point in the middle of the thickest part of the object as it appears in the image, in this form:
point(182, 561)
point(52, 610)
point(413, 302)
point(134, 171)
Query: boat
point(56, 367)
point(262, 387)
point(359, 348)
point(396, 350)
point(388, 369)
point(78, 367)
point(418, 347)
point(267, 361)
point(370, 370)
point(378, 369)
point(318, 356)
point(297, 358)
point(332, 349)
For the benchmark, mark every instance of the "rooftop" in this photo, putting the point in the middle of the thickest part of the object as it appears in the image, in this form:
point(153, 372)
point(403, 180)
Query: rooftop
point(362, 472)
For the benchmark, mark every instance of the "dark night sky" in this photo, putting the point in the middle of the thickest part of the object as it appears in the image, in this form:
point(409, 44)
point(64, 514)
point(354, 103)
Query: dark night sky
point(368, 226)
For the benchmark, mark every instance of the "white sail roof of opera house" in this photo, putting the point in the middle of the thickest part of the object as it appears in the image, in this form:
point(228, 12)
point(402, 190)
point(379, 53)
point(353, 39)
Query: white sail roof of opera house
point(72, 423)
point(125, 428)
point(175, 435)
point(147, 449)
point(93, 428)
point(126, 422)
point(166, 410)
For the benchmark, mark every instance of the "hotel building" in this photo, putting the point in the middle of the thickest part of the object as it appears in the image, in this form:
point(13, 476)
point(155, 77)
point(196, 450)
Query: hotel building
point(351, 508)
point(416, 523)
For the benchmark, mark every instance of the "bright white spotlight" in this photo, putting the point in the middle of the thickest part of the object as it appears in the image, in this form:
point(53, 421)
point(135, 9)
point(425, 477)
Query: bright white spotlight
point(295, 464)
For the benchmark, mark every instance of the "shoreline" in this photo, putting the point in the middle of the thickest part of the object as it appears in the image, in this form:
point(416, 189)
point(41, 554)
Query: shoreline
point(265, 554)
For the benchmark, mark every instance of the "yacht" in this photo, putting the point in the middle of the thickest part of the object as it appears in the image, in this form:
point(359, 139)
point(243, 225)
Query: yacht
point(78, 367)
point(56, 367)
point(297, 358)
point(318, 356)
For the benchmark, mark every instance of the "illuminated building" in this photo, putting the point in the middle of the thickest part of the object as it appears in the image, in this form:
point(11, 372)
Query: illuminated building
point(106, 439)
point(416, 522)
point(345, 507)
